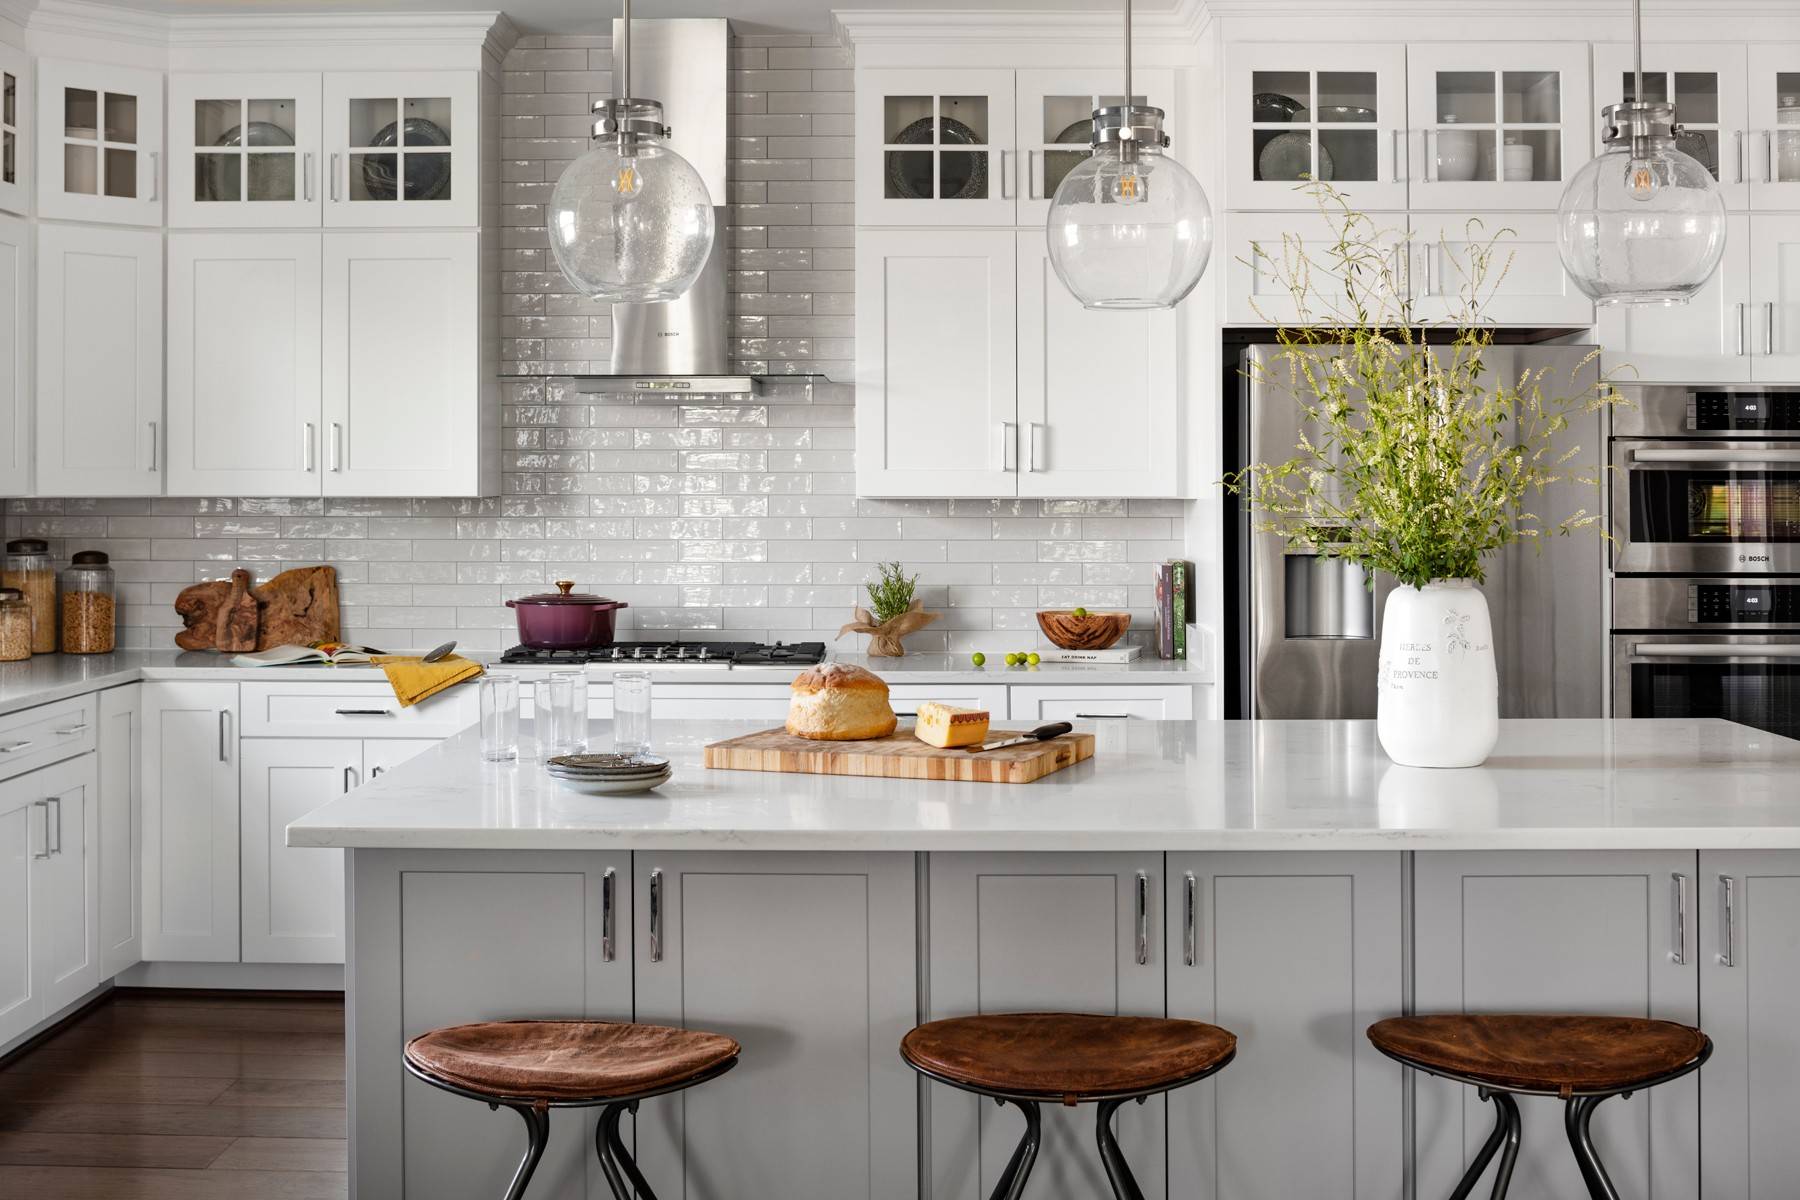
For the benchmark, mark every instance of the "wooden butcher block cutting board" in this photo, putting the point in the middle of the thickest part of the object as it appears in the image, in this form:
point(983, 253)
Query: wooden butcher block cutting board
point(900, 755)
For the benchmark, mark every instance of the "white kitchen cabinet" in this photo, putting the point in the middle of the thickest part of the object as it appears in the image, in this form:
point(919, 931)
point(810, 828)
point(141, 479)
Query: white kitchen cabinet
point(1496, 125)
point(1297, 954)
point(934, 146)
point(244, 331)
point(293, 897)
point(1054, 110)
point(380, 757)
point(1524, 283)
point(22, 839)
point(1098, 412)
point(906, 698)
point(402, 148)
point(1331, 111)
point(1708, 338)
point(1775, 110)
point(810, 962)
point(1261, 251)
point(65, 883)
point(937, 366)
point(1081, 702)
point(1775, 294)
point(99, 134)
point(16, 132)
point(244, 149)
point(1573, 932)
point(191, 823)
point(402, 364)
point(1706, 81)
point(121, 845)
point(1042, 933)
point(99, 361)
point(15, 356)
point(1749, 950)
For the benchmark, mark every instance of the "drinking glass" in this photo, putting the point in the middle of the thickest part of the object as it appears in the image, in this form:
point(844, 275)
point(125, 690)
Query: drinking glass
point(565, 714)
point(631, 712)
point(499, 717)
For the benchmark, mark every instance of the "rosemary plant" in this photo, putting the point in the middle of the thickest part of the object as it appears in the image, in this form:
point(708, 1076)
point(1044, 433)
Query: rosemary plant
point(892, 594)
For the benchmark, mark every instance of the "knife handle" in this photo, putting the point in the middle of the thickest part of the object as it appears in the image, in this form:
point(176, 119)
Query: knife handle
point(1044, 733)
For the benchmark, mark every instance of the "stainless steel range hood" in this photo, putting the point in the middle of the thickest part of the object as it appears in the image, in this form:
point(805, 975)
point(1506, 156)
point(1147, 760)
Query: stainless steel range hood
point(681, 347)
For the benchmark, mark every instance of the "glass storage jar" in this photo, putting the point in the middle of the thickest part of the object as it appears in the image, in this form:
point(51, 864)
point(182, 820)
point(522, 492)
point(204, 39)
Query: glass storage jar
point(15, 625)
point(87, 604)
point(28, 568)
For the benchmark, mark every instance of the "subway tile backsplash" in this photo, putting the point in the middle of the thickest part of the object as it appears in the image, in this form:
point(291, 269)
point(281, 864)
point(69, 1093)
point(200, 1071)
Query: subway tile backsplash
point(737, 520)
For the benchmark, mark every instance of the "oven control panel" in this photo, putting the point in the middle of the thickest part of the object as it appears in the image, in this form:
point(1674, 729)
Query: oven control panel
point(1744, 603)
point(1762, 411)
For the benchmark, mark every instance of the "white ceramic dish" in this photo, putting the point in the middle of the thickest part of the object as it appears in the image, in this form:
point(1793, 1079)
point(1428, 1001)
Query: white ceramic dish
point(613, 787)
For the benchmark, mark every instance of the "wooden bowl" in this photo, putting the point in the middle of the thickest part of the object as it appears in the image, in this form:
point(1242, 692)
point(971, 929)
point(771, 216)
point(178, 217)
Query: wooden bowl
point(1096, 631)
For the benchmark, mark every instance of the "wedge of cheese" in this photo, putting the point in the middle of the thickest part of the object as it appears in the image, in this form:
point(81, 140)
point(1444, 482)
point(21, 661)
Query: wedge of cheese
point(948, 727)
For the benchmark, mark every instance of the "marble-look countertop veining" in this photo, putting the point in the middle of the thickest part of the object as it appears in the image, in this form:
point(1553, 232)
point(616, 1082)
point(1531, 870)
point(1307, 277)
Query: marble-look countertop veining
point(1239, 785)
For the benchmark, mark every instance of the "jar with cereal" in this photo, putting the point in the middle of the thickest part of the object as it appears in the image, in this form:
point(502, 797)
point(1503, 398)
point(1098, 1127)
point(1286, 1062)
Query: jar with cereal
point(28, 568)
point(15, 625)
point(87, 604)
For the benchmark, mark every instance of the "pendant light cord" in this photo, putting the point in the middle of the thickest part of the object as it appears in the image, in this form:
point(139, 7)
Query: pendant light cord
point(1127, 99)
point(625, 80)
point(1637, 38)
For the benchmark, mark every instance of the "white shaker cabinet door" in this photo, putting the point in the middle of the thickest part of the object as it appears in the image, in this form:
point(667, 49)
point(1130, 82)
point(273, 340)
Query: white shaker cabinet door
point(1709, 338)
point(402, 383)
point(99, 133)
point(222, 176)
point(1775, 295)
point(1097, 394)
point(65, 885)
point(16, 133)
point(293, 897)
point(1706, 81)
point(1042, 933)
point(99, 361)
point(402, 148)
point(1521, 282)
point(1263, 254)
point(190, 822)
point(15, 357)
point(936, 362)
point(1775, 116)
point(935, 146)
point(120, 746)
point(24, 837)
point(244, 411)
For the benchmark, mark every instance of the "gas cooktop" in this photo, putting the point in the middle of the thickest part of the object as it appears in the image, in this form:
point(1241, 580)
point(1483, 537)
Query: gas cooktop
point(676, 654)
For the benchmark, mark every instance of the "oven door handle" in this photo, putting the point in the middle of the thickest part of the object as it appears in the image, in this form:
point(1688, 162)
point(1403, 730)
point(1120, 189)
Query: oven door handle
point(1744, 650)
point(1785, 457)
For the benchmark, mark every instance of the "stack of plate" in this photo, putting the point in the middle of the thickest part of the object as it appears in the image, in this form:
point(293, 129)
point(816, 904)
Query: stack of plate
point(608, 774)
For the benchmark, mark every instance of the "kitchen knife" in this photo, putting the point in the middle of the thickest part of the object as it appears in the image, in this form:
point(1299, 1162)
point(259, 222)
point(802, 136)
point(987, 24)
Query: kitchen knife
point(1042, 733)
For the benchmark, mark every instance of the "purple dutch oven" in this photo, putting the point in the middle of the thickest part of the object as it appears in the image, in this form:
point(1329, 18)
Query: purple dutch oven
point(560, 621)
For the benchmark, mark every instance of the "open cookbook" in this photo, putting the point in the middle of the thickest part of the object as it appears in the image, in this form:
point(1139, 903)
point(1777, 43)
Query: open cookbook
point(335, 654)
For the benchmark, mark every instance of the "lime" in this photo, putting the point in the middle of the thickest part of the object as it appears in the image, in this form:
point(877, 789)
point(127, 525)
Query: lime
point(978, 658)
point(1033, 659)
point(1012, 660)
point(1081, 612)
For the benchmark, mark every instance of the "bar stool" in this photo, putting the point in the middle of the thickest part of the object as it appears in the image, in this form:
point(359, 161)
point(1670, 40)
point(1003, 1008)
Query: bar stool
point(534, 1066)
point(1579, 1060)
point(1026, 1059)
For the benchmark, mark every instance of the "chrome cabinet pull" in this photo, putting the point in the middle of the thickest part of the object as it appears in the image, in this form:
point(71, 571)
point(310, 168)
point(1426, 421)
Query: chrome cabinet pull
point(1009, 446)
point(334, 177)
point(306, 175)
point(1399, 150)
point(1141, 904)
point(15, 747)
point(153, 455)
point(1033, 433)
point(337, 446)
point(1102, 716)
point(1729, 911)
point(1679, 955)
point(1430, 145)
point(1006, 173)
point(224, 735)
point(363, 712)
point(71, 731)
point(1740, 324)
point(656, 914)
point(1190, 919)
point(1034, 172)
point(1769, 162)
point(1769, 327)
point(1737, 143)
point(48, 848)
point(349, 779)
point(607, 882)
point(45, 805)
point(155, 164)
point(309, 442)
point(1430, 251)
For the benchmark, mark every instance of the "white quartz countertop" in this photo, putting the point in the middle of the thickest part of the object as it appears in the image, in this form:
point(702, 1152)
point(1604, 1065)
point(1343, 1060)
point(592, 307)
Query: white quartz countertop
point(1239, 785)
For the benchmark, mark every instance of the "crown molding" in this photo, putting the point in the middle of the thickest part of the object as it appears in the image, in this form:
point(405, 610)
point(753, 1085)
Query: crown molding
point(16, 11)
point(852, 27)
point(494, 31)
point(1375, 11)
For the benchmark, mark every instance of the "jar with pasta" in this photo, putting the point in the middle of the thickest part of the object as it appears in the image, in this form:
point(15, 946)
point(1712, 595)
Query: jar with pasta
point(15, 625)
point(29, 569)
point(88, 608)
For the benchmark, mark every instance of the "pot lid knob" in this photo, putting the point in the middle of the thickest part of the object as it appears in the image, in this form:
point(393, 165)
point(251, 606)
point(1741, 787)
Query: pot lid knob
point(563, 585)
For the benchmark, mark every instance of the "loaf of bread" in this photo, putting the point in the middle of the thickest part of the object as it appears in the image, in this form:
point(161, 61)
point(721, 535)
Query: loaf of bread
point(837, 702)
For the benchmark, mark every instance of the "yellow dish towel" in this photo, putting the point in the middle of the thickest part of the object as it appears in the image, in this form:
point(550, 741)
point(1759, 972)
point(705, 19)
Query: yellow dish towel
point(414, 681)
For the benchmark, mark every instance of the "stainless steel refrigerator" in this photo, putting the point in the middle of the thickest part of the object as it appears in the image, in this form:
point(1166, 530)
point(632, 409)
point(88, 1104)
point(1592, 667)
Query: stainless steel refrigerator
point(1307, 629)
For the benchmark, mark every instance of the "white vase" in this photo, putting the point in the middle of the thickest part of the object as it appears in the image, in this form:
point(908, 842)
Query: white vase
point(1438, 696)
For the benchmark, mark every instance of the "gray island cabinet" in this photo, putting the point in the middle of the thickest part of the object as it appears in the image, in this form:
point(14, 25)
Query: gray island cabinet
point(1281, 880)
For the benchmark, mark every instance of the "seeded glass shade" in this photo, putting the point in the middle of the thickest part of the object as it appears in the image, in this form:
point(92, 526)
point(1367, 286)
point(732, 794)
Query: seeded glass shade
point(632, 228)
point(1129, 234)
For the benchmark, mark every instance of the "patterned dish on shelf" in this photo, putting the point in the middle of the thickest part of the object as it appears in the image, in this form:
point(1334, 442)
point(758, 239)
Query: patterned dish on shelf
point(904, 182)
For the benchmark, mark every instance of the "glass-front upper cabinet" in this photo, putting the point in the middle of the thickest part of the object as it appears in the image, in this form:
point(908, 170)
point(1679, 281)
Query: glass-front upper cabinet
point(1775, 110)
point(402, 148)
point(1297, 112)
point(244, 150)
point(935, 147)
point(1496, 126)
point(99, 131)
point(1055, 116)
point(15, 117)
point(1706, 83)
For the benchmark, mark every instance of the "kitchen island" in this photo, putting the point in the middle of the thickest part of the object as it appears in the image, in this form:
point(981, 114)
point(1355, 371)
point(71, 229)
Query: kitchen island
point(1281, 879)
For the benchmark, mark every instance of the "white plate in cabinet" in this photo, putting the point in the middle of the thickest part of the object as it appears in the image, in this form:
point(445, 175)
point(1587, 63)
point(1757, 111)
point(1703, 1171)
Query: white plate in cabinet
point(99, 132)
point(243, 338)
point(1332, 111)
point(1524, 283)
point(1706, 80)
point(1073, 702)
point(1496, 125)
point(15, 131)
point(402, 148)
point(352, 709)
point(221, 178)
point(293, 897)
point(1261, 251)
point(1097, 396)
point(99, 361)
point(15, 356)
point(957, 164)
point(1711, 337)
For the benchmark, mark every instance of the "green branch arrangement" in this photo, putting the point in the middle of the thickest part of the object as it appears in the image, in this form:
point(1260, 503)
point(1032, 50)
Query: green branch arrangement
point(1416, 458)
point(892, 594)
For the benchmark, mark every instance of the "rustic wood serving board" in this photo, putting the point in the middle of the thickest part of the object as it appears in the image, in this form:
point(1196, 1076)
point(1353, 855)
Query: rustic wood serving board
point(899, 755)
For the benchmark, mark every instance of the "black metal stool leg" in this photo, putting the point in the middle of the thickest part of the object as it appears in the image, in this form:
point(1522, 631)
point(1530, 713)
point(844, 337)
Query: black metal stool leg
point(1578, 1113)
point(537, 1130)
point(1018, 1167)
point(615, 1158)
point(1509, 1153)
point(1506, 1134)
point(1118, 1172)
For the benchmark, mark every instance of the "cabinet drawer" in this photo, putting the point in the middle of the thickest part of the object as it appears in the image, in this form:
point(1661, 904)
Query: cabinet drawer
point(1164, 703)
point(47, 734)
point(991, 698)
point(365, 710)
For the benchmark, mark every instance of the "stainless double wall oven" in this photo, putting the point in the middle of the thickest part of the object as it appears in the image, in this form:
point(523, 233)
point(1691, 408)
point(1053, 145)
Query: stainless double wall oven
point(1705, 520)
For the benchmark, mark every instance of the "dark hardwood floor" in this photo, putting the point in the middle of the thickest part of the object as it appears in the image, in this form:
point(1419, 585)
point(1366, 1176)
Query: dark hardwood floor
point(155, 1096)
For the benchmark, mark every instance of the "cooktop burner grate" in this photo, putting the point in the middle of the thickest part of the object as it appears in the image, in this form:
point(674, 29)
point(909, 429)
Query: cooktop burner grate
point(667, 654)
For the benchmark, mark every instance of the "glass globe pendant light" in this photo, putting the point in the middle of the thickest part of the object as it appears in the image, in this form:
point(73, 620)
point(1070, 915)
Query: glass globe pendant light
point(630, 221)
point(1644, 223)
point(1129, 227)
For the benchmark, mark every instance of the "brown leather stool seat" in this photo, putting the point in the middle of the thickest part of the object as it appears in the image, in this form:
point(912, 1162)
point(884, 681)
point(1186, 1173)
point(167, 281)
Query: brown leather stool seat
point(1070, 1057)
point(1563, 1055)
point(563, 1061)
